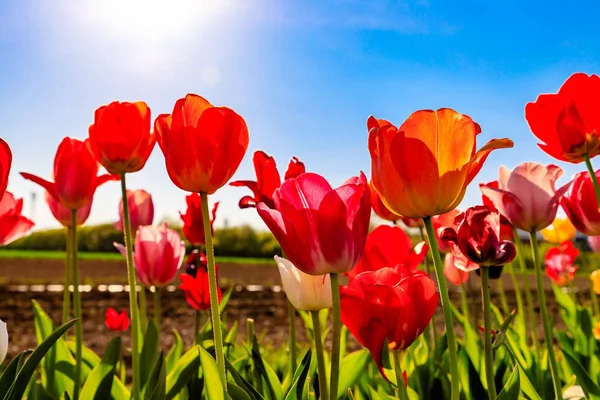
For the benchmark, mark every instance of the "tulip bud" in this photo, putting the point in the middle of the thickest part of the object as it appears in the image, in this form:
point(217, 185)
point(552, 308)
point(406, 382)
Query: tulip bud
point(305, 292)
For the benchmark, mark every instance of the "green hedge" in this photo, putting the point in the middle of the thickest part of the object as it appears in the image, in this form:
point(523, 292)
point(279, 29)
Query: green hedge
point(240, 241)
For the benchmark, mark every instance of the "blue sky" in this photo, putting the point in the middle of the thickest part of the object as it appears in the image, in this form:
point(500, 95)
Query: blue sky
point(304, 74)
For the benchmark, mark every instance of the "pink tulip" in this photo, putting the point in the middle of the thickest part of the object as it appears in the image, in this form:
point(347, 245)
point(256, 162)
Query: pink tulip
point(526, 196)
point(443, 221)
point(322, 230)
point(158, 254)
point(594, 242)
point(12, 224)
point(141, 209)
point(63, 215)
point(453, 273)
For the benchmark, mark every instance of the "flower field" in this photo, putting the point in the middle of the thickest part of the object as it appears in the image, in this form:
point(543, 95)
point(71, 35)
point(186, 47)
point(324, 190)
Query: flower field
point(493, 301)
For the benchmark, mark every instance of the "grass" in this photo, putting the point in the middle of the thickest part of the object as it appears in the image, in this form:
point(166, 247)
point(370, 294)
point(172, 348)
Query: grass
point(97, 256)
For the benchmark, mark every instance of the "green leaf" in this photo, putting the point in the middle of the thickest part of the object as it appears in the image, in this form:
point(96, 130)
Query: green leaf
point(149, 352)
point(512, 388)
point(275, 389)
point(185, 368)
point(11, 370)
point(212, 380)
point(351, 369)
point(242, 382)
point(586, 382)
point(99, 383)
point(89, 358)
point(155, 388)
point(224, 300)
point(295, 392)
point(176, 351)
point(526, 385)
point(236, 392)
point(501, 332)
point(19, 385)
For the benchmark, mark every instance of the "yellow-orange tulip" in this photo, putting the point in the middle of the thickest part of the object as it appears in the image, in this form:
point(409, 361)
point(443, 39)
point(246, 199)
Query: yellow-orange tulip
point(560, 231)
point(595, 277)
point(596, 330)
point(423, 168)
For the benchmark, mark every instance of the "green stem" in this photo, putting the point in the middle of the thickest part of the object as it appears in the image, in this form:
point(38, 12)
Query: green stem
point(67, 290)
point(133, 304)
point(157, 308)
point(446, 307)
point(143, 311)
point(292, 342)
point(588, 164)
point(487, 327)
point(76, 307)
point(464, 303)
point(320, 355)
point(528, 297)
point(196, 326)
point(544, 314)
point(432, 324)
point(337, 327)
point(255, 371)
point(503, 301)
point(518, 295)
point(214, 299)
point(400, 388)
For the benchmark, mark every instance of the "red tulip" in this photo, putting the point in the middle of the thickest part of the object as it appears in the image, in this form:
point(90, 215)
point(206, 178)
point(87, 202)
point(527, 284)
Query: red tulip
point(412, 222)
point(321, 230)
point(506, 228)
point(526, 195)
point(389, 246)
point(392, 304)
point(141, 209)
point(194, 283)
point(267, 179)
point(478, 238)
point(379, 208)
point(203, 145)
point(63, 215)
point(158, 254)
point(568, 122)
point(560, 263)
point(120, 136)
point(75, 175)
point(193, 222)
point(12, 224)
point(115, 321)
point(442, 221)
point(580, 205)
point(5, 164)
point(455, 274)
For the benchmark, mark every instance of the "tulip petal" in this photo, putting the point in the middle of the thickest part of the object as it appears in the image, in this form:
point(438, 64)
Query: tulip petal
point(267, 176)
point(477, 162)
point(49, 186)
point(13, 227)
point(295, 169)
point(5, 164)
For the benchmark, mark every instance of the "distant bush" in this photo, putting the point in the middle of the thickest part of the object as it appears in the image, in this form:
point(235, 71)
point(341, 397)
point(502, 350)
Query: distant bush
point(240, 241)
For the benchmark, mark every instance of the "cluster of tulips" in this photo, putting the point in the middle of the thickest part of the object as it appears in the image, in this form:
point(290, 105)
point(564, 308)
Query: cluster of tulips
point(419, 175)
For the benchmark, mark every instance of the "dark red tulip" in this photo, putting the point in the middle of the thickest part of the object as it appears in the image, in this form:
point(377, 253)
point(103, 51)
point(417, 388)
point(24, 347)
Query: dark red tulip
point(560, 263)
point(389, 246)
point(5, 164)
point(13, 225)
point(75, 175)
point(115, 321)
point(267, 179)
point(193, 222)
point(120, 136)
point(442, 221)
point(478, 238)
point(392, 304)
point(194, 282)
point(203, 145)
point(320, 229)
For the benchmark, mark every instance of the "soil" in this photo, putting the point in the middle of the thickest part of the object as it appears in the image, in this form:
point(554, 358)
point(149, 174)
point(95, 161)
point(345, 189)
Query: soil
point(256, 295)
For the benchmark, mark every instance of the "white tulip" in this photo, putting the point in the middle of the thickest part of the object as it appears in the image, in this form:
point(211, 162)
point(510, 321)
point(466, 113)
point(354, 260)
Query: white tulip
point(3, 341)
point(305, 292)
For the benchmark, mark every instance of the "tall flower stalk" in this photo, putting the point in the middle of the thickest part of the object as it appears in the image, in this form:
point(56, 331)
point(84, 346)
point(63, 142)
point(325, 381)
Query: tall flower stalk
point(212, 284)
point(67, 289)
point(321, 372)
point(544, 315)
point(446, 307)
point(337, 328)
point(76, 307)
point(133, 305)
point(487, 327)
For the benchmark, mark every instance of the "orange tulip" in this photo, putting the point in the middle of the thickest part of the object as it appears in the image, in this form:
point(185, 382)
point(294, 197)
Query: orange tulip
point(203, 145)
point(379, 208)
point(423, 168)
point(120, 136)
